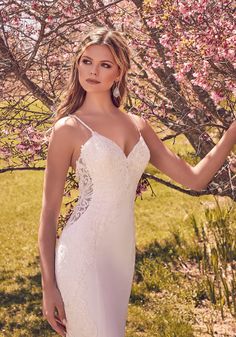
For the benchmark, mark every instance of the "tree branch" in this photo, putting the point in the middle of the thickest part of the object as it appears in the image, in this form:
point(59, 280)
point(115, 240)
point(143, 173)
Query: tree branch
point(177, 188)
point(7, 169)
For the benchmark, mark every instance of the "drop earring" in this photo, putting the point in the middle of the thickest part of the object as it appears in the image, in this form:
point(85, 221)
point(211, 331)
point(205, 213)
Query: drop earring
point(116, 91)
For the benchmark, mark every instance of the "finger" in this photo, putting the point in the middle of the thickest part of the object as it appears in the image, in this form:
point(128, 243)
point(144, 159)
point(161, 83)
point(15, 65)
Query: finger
point(57, 327)
point(61, 313)
point(58, 320)
point(61, 322)
point(63, 327)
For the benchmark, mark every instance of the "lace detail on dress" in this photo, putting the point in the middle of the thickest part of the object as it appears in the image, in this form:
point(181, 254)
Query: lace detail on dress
point(86, 191)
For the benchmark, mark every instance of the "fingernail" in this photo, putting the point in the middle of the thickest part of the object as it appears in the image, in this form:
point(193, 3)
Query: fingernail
point(64, 321)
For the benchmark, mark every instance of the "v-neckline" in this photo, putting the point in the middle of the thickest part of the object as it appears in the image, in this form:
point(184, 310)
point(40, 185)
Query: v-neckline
point(93, 132)
point(110, 141)
point(114, 143)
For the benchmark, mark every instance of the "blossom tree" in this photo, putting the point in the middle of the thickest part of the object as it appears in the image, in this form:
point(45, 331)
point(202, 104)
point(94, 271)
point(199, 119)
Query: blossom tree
point(182, 78)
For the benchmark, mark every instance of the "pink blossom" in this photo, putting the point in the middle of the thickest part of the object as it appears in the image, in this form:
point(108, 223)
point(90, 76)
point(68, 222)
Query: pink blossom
point(183, 8)
point(217, 96)
point(187, 66)
point(179, 76)
point(31, 150)
point(21, 147)
point(49, 18)
point(191, 115)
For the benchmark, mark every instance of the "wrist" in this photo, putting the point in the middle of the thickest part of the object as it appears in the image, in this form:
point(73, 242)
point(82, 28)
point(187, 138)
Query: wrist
point(49, 286)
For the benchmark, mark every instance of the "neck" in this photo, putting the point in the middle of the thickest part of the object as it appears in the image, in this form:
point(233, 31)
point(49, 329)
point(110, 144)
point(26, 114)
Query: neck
point(98, 103)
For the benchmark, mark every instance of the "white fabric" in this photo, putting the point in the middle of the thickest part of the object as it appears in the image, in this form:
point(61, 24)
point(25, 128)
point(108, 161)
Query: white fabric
point(95, 254)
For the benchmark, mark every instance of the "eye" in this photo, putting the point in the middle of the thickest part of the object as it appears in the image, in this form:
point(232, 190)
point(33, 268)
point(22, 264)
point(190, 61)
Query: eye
point(84, 61)
point(105, 65)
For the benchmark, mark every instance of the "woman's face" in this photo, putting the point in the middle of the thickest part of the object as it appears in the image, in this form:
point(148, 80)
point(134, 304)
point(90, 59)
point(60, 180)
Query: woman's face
point(97, 63)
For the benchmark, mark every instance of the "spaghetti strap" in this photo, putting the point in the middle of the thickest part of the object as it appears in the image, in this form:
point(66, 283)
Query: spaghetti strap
point(83, 123)
point(134, 124)
point(92, 131)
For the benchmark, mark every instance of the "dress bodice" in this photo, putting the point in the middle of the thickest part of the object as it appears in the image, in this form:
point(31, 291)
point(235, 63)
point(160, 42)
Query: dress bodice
point(106, 174)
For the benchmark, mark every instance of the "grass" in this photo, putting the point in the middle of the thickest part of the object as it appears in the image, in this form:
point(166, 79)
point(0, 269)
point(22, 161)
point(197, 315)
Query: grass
point(164, 298)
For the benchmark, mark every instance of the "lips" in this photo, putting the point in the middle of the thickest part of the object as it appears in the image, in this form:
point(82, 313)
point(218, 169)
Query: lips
point(92, 81)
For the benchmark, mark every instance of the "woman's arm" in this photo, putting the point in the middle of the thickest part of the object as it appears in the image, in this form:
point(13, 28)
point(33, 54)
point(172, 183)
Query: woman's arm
point(197, 177)
point(60, 150)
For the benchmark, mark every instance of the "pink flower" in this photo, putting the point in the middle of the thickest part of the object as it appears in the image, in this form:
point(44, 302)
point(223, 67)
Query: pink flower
point(187, 67)
point(49, 18)
point(179, 76)
point(183, 9)
point(164, 40)
point(191, 115)
point(35, 5)
point(31, 150)
point(21, 147)
point(217, 96)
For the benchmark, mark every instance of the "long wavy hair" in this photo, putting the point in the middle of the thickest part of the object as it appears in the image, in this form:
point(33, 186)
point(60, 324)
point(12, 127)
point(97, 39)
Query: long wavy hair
point(74, 95)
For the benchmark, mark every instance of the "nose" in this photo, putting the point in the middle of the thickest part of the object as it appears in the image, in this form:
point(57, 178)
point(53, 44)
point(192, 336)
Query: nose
point(94, 70)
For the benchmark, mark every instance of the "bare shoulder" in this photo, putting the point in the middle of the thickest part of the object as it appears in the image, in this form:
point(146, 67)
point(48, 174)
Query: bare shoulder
point(64, 129)
point(139, 121)
point(64, 124)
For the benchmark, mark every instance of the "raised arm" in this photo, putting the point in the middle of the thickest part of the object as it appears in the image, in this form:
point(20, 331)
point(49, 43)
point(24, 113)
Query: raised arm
point(60, 150)
point(197, 177)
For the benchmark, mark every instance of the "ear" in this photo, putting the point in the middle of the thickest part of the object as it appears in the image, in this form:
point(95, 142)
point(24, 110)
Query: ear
point(118, 78)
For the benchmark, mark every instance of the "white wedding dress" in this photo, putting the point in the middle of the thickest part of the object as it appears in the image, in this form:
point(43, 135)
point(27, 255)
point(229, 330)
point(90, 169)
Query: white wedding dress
point(95, 254)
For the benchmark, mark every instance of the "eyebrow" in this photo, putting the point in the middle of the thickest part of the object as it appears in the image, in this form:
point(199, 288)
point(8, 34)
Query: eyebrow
point(101, 61)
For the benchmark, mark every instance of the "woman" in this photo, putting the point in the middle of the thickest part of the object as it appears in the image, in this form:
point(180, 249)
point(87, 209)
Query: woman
point(87, 273)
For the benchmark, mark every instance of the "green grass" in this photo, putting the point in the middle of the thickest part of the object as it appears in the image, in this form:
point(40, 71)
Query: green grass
point(162, 301)
point(20, 277)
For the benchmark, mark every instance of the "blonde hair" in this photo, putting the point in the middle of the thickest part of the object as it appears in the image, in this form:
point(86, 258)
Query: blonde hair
point(74, 94)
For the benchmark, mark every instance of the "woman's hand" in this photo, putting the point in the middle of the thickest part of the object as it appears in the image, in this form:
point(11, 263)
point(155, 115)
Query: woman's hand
point(56, 318)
